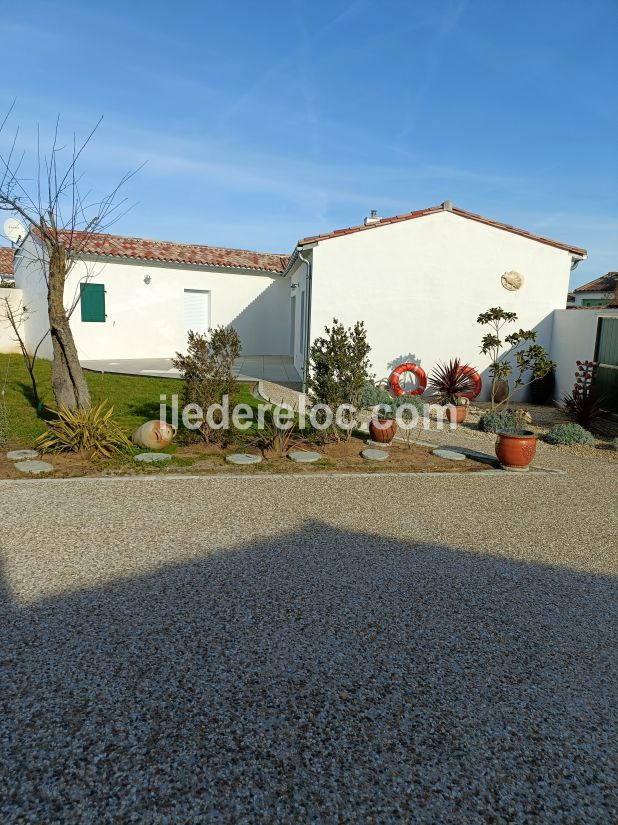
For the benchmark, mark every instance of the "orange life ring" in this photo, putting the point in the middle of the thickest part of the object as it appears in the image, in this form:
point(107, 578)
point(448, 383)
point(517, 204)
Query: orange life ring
point(476, 378)
point(415, 370)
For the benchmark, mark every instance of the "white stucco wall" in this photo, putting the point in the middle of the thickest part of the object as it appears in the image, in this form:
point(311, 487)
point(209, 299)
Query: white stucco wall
point(574, 339)
point(419, 286)
point(30, 279)
point(8, 340)
point(298, 289)
point(147, 320)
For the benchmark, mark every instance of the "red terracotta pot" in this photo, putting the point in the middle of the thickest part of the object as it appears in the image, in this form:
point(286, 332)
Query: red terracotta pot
point(515, 452)
point(456, 414)
point(382, 430)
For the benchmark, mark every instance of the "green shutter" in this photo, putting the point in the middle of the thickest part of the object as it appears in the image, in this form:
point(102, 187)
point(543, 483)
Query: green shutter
point(92, 300)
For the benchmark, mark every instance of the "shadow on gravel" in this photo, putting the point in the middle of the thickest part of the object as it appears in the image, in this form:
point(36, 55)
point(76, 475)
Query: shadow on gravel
point(325, 676)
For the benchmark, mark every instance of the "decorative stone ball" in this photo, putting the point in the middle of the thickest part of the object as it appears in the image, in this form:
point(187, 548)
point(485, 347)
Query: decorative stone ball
point(155, 435)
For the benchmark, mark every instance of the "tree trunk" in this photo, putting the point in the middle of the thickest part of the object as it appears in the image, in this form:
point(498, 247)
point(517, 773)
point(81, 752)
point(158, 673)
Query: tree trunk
point(68, 382)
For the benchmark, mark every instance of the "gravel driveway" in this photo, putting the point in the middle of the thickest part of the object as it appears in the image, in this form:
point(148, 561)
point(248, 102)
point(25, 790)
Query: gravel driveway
point(312, 650)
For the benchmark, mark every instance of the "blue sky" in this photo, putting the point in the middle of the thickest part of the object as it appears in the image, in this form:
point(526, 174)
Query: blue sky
point(265, 122)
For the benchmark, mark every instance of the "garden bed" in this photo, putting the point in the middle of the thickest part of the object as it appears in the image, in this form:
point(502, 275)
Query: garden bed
point(209, 459)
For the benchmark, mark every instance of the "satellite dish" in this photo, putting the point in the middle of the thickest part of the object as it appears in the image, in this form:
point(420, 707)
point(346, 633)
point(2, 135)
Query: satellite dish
point(14, 230)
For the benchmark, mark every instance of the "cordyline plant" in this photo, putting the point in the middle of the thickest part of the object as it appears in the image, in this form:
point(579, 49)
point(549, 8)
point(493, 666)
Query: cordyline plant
point(584, 404)
point(339, 368)
point(451, 382)
point(532, 360)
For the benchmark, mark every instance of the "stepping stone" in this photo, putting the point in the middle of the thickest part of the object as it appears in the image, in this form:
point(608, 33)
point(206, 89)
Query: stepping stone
point(34, 467)
point(450, 455)
point(304, 457)
point(379, 444)
point(22, 455)
point(374, 455)
point(243, 458)
point(150, 458)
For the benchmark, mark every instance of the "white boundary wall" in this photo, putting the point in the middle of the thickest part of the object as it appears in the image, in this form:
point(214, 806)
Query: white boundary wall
point(8, 342)
point(574, 339)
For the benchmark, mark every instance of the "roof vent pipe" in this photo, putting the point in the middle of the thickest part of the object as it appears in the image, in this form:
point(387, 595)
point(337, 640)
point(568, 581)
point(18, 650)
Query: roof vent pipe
point(373, 218)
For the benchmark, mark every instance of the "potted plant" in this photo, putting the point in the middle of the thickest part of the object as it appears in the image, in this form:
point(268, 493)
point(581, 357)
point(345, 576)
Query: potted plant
point(450, 385)
point(383, 426)
point(516, 446)
point(531, 359)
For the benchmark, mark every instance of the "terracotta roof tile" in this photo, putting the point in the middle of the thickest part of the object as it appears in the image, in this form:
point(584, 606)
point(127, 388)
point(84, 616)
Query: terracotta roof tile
point(141, 249)
point(606, 283)
point(6, 260)
point(432, 211)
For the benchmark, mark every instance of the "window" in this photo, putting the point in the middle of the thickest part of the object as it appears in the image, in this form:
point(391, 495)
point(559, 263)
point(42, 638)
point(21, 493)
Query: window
point(595, 302)
point(92, 301)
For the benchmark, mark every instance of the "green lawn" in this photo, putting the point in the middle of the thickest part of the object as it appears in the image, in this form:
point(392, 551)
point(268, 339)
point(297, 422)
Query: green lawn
point(134, 398)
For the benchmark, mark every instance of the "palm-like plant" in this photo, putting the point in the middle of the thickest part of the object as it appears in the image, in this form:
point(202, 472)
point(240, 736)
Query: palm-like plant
point(93, 431)
point(451, 382)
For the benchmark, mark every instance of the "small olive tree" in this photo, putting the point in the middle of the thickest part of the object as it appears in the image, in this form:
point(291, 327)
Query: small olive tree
point(206, 370)
point(532, 360)
point(339, 369)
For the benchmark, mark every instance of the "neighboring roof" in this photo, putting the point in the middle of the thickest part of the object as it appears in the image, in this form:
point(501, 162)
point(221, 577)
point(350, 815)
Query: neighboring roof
point(574, 250)
point(606, 283)
point(6, 260)
point(140, 249)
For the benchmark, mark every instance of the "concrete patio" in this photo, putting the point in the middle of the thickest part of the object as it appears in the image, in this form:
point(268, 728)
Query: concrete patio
point(276, 368)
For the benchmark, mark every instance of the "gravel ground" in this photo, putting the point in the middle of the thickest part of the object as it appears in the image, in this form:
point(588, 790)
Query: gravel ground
point(317, 650)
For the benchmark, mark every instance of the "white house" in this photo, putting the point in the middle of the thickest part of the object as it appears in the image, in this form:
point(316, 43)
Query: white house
point(417, 280)
point(134, 298)
point(597, 293)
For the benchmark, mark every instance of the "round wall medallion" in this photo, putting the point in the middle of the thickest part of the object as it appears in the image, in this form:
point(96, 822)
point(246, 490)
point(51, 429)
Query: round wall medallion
point(512, 281)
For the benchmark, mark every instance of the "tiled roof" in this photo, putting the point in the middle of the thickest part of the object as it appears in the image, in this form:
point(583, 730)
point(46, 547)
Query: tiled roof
point(6, 260)
point(606, 283)
point(432, 211)
point(140, 249)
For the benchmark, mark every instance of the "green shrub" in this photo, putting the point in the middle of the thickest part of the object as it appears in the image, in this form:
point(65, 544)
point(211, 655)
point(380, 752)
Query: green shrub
point(93, 431)
point(207, 370)
point(614, 444)
point(373, 395)
point(496, 421)
point(569, 434)
point(339, 368)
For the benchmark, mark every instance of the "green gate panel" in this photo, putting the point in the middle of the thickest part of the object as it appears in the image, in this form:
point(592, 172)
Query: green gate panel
point(607, 355)
point(92, 300)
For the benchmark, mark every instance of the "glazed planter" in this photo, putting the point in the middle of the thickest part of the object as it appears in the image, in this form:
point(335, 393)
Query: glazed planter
point(382, 430)
point(456, 414)
point(515, 451)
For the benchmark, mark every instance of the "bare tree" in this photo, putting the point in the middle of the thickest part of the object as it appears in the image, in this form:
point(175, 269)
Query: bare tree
point(61, 218)
point(16, 318)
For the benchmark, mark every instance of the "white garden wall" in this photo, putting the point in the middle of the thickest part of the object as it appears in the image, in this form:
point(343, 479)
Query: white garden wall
point(8, 340)
point(574, 339)
point(420, 284)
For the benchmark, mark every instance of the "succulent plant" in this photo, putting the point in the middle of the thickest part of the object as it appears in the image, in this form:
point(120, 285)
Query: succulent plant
point(496, 421)
point(568, 434)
